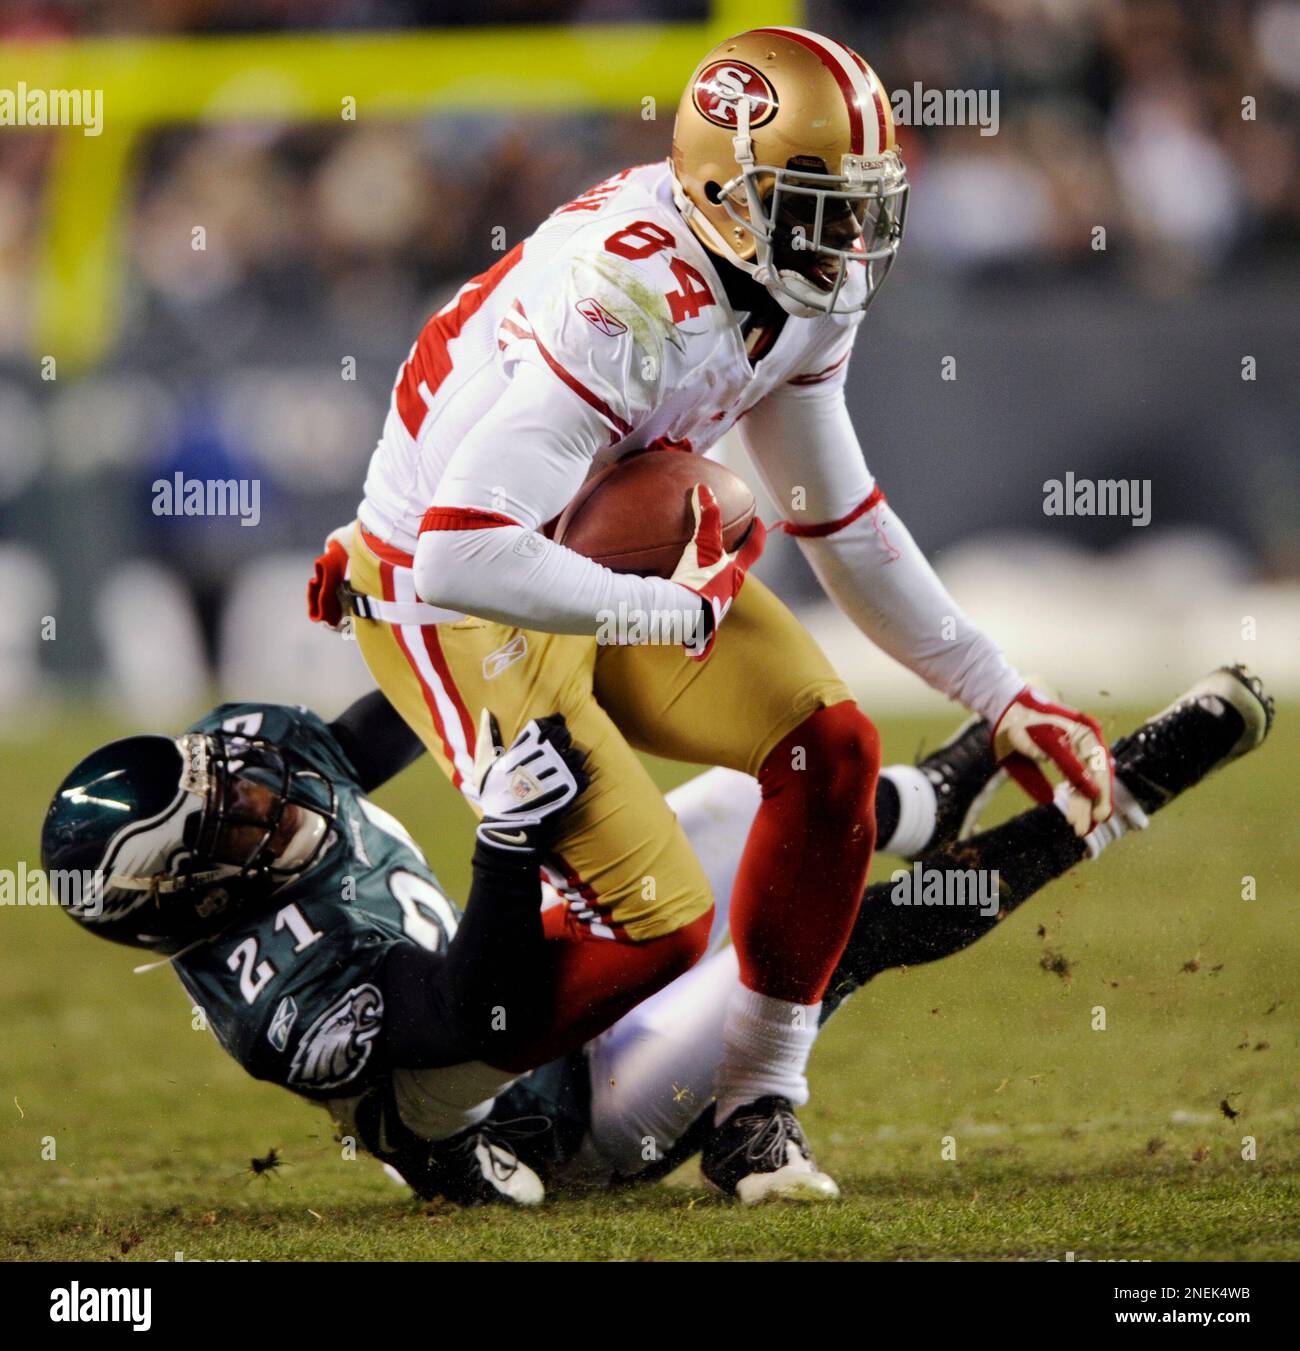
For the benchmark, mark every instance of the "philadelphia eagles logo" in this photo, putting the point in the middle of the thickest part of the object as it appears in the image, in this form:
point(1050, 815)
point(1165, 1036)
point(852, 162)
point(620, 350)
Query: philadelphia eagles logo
point(334, 1050)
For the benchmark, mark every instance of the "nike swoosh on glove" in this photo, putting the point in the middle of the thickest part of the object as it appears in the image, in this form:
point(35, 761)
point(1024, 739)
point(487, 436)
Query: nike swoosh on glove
point(707, 569)
point(1032, 730)
point(331, 570)
point(526, 789)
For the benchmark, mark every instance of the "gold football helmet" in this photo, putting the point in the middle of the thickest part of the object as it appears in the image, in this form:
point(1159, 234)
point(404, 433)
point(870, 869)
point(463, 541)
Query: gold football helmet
point(784, 163)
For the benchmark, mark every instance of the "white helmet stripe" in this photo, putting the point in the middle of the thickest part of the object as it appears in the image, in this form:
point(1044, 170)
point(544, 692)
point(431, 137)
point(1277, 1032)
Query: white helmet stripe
point(879, 100)
point(862, 96)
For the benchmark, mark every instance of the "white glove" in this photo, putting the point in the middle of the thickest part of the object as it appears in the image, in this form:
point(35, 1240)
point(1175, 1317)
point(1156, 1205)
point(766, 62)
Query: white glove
point(525, 790)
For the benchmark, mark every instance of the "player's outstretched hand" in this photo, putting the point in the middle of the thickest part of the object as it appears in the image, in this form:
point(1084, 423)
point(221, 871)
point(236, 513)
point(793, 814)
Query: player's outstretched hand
point(526, 789)
point(1033, 730)
point(330, 572)
point(706, 567)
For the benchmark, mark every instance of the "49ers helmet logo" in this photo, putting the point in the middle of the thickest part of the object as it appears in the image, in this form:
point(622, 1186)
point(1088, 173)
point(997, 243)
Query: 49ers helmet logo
point(721, 86)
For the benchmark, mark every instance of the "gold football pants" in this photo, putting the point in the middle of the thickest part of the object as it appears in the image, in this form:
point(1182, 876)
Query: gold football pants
point(625, 867)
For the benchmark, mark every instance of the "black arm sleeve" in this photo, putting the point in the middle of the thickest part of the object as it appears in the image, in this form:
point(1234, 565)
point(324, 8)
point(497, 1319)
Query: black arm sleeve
point(490, 986)
point(376, 740)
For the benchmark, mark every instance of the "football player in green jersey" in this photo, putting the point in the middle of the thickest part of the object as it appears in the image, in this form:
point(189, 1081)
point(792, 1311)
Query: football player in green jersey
point(305, 921)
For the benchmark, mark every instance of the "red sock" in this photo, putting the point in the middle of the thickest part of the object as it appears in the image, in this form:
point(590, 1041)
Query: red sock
point(805, 863)
point(597, 980)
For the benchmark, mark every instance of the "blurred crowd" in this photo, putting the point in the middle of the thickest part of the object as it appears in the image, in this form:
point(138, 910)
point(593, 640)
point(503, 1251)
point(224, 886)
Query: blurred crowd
point(1170, 124)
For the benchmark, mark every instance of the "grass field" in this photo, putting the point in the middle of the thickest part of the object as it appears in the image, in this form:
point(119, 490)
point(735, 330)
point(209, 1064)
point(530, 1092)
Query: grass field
point(1109, 1144)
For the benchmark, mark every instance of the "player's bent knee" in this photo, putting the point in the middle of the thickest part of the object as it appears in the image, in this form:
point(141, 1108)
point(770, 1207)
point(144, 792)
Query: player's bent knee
point(834, 752)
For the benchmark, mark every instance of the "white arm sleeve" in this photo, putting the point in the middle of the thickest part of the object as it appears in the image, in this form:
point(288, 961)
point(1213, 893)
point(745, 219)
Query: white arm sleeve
point(803, 445)
point(518, 468)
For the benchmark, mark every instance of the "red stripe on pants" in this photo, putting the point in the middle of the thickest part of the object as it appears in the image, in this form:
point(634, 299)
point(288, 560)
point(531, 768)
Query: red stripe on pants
point(433, 646)
point(430, 702)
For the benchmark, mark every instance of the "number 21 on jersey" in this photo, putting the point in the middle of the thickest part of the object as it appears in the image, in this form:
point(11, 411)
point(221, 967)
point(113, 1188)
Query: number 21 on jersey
point(254, 974)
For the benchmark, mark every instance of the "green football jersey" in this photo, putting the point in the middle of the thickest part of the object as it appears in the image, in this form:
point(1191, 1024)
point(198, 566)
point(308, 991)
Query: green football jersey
point(292, 992)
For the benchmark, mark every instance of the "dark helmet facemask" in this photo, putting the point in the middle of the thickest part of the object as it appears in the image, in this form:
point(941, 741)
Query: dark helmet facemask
point(249, 790)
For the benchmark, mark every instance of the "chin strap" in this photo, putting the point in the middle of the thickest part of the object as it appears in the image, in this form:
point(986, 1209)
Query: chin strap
point(305, 842)
point(173, 957)
point(785, 296)
point(742, 144)
point(164, 885)
point(704, 226)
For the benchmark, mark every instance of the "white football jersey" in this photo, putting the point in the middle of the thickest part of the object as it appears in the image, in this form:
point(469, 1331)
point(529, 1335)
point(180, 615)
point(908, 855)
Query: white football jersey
point(615, 300)
point(608, 331)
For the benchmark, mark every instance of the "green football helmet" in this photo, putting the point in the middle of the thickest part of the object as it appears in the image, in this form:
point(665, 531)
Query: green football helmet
point(184, 835)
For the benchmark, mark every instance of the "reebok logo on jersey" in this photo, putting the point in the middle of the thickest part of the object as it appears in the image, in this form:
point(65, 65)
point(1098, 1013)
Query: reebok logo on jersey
point(282, 1022)
point(599, 317)
point(505, 656)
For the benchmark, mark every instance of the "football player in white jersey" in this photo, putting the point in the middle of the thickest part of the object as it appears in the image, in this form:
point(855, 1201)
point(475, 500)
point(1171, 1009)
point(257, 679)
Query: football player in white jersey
point(659, 309)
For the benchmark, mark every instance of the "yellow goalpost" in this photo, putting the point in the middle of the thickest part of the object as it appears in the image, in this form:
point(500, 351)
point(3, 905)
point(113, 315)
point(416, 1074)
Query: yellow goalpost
point(151, 82)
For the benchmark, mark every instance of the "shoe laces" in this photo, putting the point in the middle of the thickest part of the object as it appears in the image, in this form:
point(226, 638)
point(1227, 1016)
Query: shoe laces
point(1180, 733)
point(768, 1136)
point(497, 1138)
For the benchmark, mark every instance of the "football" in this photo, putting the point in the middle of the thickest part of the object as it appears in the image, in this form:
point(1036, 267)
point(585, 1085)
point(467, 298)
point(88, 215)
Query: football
point(636, 515)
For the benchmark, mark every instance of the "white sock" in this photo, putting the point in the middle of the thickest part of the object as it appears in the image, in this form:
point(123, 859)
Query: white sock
point(917, 810)
point(766, 1045)
point(1126, 816)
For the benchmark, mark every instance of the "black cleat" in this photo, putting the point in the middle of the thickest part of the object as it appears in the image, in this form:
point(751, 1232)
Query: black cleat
point(759, 1153)
point(479, 1166)
point(1219, 719)
point(965, 778)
